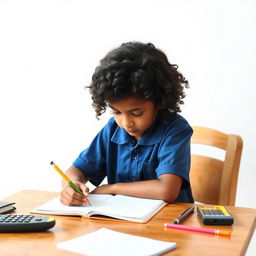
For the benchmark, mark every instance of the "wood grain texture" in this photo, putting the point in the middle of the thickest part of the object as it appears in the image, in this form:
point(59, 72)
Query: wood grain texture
point(188, 242)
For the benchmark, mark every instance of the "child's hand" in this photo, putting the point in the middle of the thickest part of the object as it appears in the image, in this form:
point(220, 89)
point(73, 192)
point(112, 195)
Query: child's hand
point(68, 196)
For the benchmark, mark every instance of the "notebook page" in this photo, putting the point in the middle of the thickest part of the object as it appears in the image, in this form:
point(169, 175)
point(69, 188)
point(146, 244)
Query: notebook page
point(129, 208)
point(54, 206)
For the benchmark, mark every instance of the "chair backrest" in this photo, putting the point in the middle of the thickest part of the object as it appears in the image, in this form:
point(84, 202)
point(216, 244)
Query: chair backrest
point(214, 181)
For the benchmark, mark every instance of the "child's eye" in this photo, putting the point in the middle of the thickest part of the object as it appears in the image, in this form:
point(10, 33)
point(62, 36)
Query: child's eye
point(137, 114)
point(115, 112)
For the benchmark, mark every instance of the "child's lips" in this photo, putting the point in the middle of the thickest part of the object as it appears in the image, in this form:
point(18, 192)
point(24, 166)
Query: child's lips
point(132, 131)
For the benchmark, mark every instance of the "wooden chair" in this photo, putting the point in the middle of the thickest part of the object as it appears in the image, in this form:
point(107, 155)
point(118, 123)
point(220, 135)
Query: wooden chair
point(214, 181)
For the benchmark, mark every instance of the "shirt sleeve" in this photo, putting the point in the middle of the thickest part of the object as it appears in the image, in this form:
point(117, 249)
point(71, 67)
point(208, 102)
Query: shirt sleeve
point(174, 152)
point(92, 161)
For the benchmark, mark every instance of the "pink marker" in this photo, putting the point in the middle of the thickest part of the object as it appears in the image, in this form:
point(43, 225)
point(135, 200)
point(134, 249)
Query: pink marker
point(205, 230)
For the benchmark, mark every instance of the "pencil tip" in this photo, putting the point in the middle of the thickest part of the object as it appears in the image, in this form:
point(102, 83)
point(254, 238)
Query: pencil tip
point(52, 163)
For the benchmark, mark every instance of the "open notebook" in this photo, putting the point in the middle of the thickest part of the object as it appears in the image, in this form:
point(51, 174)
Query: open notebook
point(118, 207)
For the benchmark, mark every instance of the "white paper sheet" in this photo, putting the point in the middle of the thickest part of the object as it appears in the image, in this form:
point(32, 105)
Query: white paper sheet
point(106, 242)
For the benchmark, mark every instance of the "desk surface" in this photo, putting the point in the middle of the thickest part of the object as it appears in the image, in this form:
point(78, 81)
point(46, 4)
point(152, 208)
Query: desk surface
point(188, 242)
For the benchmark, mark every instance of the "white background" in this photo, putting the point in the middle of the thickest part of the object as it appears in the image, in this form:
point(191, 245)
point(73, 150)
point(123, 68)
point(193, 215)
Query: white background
point(48, 52)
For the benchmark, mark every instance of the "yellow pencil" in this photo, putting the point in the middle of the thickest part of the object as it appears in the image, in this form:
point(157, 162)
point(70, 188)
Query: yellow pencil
point(66, 178)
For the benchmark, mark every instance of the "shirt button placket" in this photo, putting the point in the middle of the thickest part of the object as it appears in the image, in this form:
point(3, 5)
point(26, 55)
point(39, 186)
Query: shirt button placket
point(134, 154)
point(134, 159)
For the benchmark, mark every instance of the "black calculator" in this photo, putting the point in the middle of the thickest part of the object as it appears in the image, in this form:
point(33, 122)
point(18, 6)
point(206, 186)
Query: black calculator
point(216, 215)
point(25, 223)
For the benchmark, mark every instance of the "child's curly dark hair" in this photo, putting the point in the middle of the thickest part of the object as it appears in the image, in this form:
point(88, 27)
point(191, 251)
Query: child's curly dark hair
point(138, 69)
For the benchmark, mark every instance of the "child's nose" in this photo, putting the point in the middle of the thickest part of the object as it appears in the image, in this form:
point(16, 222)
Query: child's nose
point(127, 122)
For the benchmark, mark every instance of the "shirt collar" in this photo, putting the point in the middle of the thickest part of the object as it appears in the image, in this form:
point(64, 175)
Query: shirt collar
point(152, 136)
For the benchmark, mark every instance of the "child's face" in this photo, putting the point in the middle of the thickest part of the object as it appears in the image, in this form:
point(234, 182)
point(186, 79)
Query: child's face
point(134, 114)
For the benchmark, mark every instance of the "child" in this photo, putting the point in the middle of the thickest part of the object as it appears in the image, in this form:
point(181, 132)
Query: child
point(144, 150)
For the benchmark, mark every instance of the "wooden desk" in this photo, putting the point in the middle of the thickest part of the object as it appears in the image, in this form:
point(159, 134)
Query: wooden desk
point(188, 242)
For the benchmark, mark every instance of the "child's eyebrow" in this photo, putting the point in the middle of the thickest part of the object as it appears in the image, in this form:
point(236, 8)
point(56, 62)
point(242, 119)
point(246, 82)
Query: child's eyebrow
point(111, 106)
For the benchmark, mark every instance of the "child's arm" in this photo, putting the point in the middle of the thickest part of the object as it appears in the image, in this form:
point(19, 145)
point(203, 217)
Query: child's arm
point(68, 196)
point(166, 187)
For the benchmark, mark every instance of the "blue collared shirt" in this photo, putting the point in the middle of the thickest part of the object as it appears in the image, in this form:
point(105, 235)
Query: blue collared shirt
point(163, 148)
